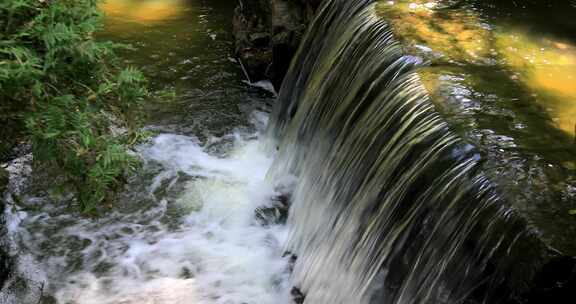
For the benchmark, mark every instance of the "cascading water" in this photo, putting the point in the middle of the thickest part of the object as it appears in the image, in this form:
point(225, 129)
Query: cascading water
point(188, 235)
point(389, 205)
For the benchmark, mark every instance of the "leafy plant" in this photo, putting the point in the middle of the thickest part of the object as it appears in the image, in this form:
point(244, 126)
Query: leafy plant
point(64, 90)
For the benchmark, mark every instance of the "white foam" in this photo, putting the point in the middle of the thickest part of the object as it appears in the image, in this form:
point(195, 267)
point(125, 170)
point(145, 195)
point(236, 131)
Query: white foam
point(266, 85)
point(218, 255)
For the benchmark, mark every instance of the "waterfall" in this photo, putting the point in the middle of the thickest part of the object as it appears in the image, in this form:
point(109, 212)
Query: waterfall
point(389, 205)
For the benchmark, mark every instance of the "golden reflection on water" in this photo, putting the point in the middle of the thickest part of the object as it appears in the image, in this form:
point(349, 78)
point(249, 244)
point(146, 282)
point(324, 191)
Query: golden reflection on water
point(457, 34)
point(544, 65)
point(142, 11)
point(548, 67)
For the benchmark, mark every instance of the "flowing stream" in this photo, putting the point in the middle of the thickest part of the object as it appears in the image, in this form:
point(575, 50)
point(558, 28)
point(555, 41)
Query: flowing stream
point(391, 199)
point(392, 204)
point(184, 230)
point(196, 240)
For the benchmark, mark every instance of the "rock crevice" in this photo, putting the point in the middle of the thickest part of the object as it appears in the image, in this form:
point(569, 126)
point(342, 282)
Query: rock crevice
point(268, 34)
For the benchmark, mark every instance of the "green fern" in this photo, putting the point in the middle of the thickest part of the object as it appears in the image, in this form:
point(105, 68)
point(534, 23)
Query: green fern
point(63, 88)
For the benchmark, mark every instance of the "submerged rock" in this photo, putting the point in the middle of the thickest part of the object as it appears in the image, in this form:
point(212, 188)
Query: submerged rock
point(297, 295)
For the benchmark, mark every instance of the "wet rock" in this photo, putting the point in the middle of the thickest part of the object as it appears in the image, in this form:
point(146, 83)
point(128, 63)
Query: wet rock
point(276, 214)
point(268, 33)
point(186, 273)
point(3, 179)
point(5, 267)
point(291, 261)
point(5, 260)
point(251, 28)
point(297, 295)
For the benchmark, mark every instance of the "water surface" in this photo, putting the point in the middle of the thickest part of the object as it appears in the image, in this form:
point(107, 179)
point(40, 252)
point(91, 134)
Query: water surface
point(183, 230)
point(503, 73)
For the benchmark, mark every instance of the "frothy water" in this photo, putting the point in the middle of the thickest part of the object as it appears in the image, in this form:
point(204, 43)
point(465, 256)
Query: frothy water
point(216, 253)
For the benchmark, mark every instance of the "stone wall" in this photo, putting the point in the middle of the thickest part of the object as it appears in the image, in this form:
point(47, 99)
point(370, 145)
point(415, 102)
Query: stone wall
point(268, 33)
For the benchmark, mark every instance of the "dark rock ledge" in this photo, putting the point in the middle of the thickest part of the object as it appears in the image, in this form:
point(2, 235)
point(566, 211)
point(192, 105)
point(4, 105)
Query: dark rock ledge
point(268, 33)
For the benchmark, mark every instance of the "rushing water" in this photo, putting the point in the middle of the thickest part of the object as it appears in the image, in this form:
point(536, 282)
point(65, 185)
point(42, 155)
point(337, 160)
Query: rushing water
point(391, 205)
point(389, 202)
point(503, 75)
point(184, 230)
point(188, 236)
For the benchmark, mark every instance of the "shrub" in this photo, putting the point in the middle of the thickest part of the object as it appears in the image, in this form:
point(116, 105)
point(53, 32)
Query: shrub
point(63, 89)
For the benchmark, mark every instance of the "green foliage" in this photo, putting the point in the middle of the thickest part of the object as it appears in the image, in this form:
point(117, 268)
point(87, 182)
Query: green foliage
point(62, 87)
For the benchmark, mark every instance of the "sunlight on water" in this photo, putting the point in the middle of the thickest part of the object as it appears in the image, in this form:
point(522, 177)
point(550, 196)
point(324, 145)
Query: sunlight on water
point(455, 34)
point(544, 65)
point(143, 11)
point(548, 67)
point(186, 57)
